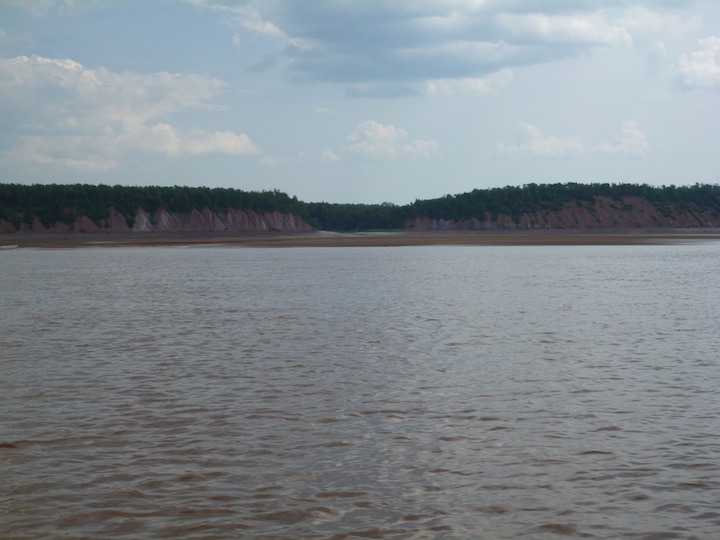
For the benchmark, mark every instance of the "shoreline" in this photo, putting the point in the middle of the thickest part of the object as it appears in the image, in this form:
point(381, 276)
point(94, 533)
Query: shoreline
point(551, 237)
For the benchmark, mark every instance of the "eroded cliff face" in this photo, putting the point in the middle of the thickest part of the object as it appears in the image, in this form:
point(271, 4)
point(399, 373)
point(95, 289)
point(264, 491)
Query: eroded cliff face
point(206, 221)
point(602, 213)
point(164, 221)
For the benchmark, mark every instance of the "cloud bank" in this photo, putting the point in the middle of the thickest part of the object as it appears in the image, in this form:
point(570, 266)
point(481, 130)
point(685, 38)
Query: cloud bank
point(380, 141)
point(392, 49)
point(631, 141)
point(701, 68)
point(84, 118)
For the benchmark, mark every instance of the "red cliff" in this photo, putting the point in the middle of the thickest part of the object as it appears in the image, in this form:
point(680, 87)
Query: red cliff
point(164, 221)
point(601, 213)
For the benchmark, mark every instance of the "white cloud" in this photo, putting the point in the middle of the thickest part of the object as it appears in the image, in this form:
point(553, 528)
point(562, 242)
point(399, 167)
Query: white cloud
point(631, 141)
point(160, 139)
point(71, 115)
point(329, 155)
point(592, 29)
point(220, 142)
point(537, 143)
point(379, 141)
point(375, 140)
point(701, 68)
point(420, 148)
point(392, 49)
point(249, 16)
point(644, 23)
point(479, 86)
point(56, 151)
point(61, 87)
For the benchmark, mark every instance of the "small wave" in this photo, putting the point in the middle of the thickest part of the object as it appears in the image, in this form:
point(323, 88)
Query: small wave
point(556, 528)
point(341, 494)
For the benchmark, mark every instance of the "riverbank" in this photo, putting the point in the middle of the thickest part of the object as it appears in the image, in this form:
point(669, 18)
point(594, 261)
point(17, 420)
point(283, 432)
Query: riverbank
point(395, 238)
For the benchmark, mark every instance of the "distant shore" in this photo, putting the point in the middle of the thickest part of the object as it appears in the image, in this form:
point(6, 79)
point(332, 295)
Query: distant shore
point(368, 239)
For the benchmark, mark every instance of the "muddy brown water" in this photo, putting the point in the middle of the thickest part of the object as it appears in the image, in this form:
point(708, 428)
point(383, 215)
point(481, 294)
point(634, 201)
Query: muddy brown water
point(404, 392)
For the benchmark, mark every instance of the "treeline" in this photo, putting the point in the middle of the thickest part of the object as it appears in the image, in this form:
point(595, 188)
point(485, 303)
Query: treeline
point(355, 217)
point(511, 200)
point(533, 198)
point(64, 203)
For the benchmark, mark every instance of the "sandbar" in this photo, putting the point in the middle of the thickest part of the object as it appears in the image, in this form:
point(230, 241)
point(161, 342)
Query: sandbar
point(555, 237)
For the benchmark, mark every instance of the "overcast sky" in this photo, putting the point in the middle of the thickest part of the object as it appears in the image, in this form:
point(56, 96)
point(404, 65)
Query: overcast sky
point(359, 100)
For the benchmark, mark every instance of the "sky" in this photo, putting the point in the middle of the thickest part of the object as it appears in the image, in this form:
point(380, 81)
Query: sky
point(359, 101)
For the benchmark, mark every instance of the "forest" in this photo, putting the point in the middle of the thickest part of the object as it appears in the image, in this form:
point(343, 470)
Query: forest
point(64, 203)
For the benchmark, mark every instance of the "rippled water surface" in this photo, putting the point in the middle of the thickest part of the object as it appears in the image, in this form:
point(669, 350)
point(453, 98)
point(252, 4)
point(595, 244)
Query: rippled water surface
point(424, 392)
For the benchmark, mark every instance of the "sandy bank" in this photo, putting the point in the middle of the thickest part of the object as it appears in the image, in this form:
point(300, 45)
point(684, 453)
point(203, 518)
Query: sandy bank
point(327, 239)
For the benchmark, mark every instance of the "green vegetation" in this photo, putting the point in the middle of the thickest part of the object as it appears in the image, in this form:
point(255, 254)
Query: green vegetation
point(531, 198)
point(64, 203)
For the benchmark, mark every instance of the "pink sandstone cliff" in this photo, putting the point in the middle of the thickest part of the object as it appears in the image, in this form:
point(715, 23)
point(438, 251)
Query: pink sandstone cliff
point(164, 221)
point(602, 213)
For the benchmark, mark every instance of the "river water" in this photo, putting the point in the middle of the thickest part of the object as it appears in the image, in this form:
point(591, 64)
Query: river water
point(418, 392)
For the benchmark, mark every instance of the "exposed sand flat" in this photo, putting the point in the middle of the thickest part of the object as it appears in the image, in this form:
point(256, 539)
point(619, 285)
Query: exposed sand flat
point(403, 238)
